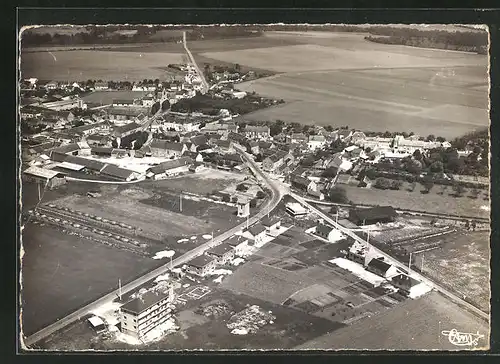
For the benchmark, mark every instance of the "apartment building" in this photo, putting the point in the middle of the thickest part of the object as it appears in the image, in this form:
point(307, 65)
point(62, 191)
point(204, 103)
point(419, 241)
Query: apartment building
point(144, 313)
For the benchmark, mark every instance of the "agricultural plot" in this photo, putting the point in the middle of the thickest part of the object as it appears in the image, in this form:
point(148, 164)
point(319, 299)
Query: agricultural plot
point(63, 272)
point(81, 65)
point(463, 263)
point(431, 202)
point(202, 183)
point(107, 97)
point(411, 325)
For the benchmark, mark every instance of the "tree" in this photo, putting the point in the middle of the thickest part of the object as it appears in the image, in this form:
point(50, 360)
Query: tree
point(114, 143)
point(330, 172)
point(334, 210)
point(165, 105)
point(241, 187)
point(258, 158)
point(260, 195)
point(338, 194)
point(440, 139)
point(417, 154)
point(430, 138)
point(253, 203)
point(396, 184)
point(382, 183)
point(428, 183)
point(459, 189)
point(436, 167)
point(368, 150)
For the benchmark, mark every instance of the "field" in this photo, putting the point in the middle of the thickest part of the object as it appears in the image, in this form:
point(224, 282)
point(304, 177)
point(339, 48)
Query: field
point(81, 65)
point(62, 272)
point(432, 202)
point(107, 97)
point(412, 325)
point(375, 87)
point(462, 264)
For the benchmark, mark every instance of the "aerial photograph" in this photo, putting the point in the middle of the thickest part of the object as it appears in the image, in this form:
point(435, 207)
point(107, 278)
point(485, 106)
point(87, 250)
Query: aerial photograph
point(271, 187)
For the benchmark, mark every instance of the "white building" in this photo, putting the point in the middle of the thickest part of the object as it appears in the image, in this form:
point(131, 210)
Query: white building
point(316, 142)
point(142, 314)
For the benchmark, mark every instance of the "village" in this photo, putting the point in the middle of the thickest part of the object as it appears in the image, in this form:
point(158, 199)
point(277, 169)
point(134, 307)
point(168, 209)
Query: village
point(333, 273)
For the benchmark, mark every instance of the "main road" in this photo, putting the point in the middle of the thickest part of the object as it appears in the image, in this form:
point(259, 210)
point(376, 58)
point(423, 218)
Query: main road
point(277, 194)
point(198, 71)
point(389, 258)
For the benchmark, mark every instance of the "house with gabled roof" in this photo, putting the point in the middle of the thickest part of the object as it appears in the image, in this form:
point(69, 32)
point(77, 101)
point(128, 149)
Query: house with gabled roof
point(381, 268)
point(222, 253)
point(164, 148)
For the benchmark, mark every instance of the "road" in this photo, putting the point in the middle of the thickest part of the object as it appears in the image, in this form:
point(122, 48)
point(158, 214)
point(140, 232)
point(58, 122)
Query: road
point(389, 258)
point(277, 194)
point(198, 71)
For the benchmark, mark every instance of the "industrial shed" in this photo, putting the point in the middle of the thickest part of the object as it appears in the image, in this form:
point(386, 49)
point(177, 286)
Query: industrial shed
point(45, 176)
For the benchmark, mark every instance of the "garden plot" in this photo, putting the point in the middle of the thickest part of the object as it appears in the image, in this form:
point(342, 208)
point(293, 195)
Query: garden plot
point(250, 320)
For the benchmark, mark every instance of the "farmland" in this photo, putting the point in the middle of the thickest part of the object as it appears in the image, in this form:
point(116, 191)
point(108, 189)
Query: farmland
point(341, 79)
point(62, 272)
point(412, 325)
point(81, 65)
point(462, 264)
point(107, 97)
point(432, 202)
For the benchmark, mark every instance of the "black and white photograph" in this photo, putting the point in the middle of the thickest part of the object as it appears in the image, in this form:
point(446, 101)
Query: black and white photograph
point(254, 187)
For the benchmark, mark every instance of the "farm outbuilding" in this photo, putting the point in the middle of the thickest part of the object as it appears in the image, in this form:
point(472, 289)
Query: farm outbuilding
point(44, 176)
point(372, 215)
point(222, 253)
point(381, 268)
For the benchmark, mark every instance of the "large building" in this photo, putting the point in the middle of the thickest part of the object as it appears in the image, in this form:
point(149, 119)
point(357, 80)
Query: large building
point(44, 176)
point(372, 215)
point(257, 132)
point(164, 148)
point(144, 313)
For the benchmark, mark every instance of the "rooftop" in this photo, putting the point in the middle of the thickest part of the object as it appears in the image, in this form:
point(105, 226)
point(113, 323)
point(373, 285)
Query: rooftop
point(257, 229)
point(114, 171)
point(379, 265)
point(166, 145)
point(41, 172)
point(200, 261)
point(374, 213)
point(221, 249)
point(143, 302)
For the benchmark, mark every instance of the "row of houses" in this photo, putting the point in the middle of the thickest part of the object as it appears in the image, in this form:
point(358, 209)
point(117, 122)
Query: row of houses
point(224, 253)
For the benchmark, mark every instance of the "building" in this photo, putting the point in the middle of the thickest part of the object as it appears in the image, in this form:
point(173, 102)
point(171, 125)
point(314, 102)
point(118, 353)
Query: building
point(121, 114)
point(299, 182)
point(296, 209)
point(169, 168)
point(164, 148)
point(296, 138)
point(101, 86)
point(327, 232)
point(258, 233)
point(99, 140)
point(196, 167)
point(257, 132)
point(238, 243)
point(243, 207)
point(316, 189)
point(123, 103)
point(64, 105)
point(222, 253)
point(142, 314)
point(46, 177)
point(123, 131)
point(52, 85)
point(148, 101)
point(273, 162)
point(117, 173)
point(271, 224)
point(406, 285)
point(223, 146)
point(372, 215)
point(201, 265)
point(381, 268)
point(316, 142)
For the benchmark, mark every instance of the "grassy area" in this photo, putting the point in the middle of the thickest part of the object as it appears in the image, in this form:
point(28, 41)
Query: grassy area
point(431, 202)
point(81, 65)
point(463, 263)
point(412, 325)
point(62, 272)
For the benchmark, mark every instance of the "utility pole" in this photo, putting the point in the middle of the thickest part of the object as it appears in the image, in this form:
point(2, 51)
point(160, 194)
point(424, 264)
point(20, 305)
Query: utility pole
point(180, 203)
point(409, 265)
point(422, 266)
point(120, 288)
point(38, 187)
